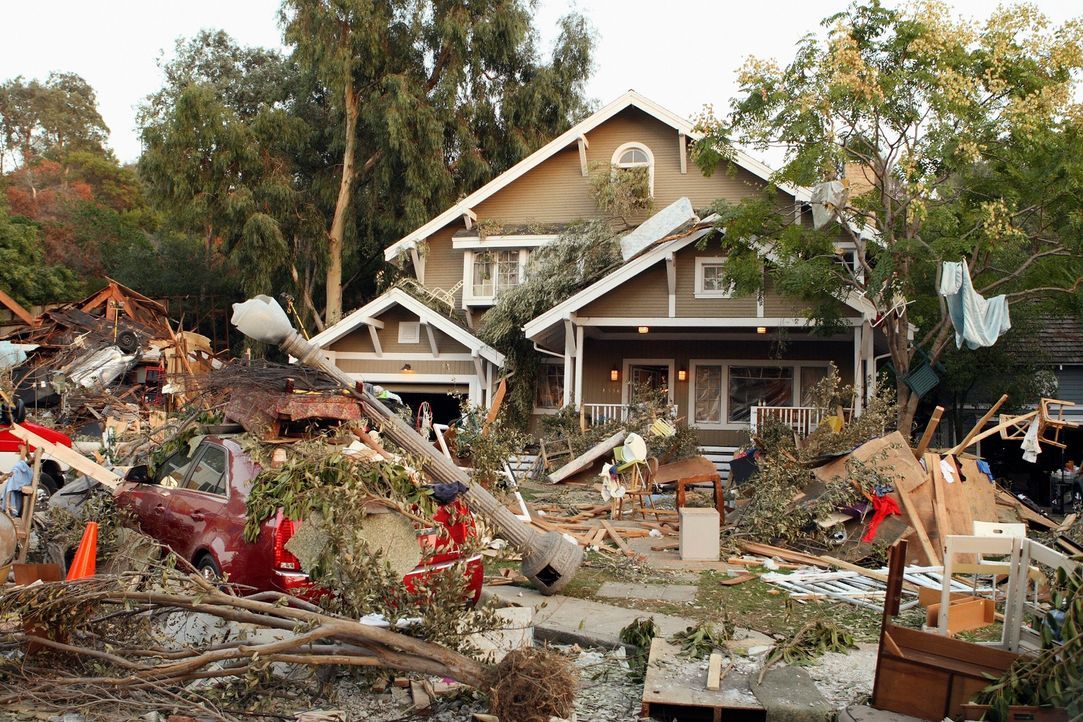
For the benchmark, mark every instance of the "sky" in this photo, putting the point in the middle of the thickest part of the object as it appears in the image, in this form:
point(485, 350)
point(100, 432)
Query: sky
point(682, 54)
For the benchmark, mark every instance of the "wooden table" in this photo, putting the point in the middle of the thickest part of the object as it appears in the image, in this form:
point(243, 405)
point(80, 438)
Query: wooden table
point(689, 472)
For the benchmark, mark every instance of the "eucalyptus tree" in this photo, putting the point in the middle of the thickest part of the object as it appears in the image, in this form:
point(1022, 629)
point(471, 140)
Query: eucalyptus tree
point(967, 136)
point(434, 97)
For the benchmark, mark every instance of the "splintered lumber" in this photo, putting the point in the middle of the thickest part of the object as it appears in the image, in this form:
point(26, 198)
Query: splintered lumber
point(68, 456)
point(1067, 523)
point(585, 460)
point(740, 579)
point(1025, 512)
point(932, 556)
point(28, 510)
point(665, 546)
point(788, 555)
point(930, 429)
point(617, 538)
point(979, 426)
point(940, 507)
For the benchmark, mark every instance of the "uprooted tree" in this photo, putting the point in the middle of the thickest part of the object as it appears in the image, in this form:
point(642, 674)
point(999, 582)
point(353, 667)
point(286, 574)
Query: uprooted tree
point(963, 141)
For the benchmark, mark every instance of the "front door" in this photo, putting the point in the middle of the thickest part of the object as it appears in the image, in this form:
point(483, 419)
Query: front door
point(647, 377)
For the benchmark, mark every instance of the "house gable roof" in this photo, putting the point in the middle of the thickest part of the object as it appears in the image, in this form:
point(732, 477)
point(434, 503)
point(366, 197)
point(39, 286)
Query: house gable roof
point(631, 99)
point(641, 263)
point(399, 297)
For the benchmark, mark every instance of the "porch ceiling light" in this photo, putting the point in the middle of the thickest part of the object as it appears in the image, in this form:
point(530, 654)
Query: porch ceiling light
point(549, 561)
point(406, 369)
point(761, 329)
point(644, 329)
point(614, 374)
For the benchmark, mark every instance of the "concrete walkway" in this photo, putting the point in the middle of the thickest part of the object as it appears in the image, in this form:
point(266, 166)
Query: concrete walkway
point(569, 620)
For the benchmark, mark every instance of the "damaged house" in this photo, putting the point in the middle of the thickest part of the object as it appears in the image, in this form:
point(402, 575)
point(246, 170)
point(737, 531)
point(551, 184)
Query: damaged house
point(661, 318)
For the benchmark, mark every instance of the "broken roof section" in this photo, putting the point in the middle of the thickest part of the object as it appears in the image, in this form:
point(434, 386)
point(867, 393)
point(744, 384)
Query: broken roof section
point(114, 309)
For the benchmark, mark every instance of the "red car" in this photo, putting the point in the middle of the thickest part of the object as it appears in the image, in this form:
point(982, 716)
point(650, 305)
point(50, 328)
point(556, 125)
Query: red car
point(196, 505)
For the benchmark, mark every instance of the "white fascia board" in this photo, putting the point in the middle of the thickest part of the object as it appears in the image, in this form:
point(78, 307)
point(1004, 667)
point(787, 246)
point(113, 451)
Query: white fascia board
point(608, 283)
point(424, 313)
point(523, 241)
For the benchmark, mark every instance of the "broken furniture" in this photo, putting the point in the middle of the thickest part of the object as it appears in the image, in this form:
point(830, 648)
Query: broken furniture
point(948, 672)
point(689, 473)
point(1021, 553)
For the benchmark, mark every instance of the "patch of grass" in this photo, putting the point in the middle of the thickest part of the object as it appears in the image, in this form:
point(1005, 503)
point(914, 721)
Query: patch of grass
point(760, 606)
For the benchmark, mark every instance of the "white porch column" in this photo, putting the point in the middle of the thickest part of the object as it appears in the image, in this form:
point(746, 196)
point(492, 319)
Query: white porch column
point(569, 360)
point(859, 374)
point(868, 355)
point(578, 366)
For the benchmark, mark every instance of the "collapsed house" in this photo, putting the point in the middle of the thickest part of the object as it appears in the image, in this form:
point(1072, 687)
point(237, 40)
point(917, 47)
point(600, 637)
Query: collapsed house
point(113, 354)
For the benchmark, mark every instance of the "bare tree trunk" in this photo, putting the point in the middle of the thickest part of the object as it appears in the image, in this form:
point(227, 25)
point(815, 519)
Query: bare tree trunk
point(333, 305)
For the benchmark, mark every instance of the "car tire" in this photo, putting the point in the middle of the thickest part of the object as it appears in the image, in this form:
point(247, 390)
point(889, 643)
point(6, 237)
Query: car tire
point(46, 487)
point(208, 568)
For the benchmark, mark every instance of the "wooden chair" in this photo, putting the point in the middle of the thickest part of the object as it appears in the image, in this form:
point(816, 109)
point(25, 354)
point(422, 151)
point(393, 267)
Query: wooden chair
point(638, 479)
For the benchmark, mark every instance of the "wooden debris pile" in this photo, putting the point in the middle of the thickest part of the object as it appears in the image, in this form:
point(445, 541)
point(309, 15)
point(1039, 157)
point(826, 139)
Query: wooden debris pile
point(114, 354)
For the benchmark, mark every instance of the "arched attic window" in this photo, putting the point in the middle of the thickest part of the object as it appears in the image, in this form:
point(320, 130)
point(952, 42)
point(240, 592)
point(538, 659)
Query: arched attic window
point(636, 155)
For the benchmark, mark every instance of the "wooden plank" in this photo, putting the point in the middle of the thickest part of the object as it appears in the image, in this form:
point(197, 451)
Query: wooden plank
point(787, 554)
point(28, 507)
point(980, 491)
point(978, 426)
point(70, 457)
point(930, 429)
point(916, 520)
point(714, 671)
point(617, 538)
point(1025, 513)
point(1067, 524)
point(585, 460)
point(940, 507)
point(14, 306)
point(741, 579)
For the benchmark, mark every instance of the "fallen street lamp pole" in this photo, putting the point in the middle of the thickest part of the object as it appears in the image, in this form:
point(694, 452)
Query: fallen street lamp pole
point(549, 560)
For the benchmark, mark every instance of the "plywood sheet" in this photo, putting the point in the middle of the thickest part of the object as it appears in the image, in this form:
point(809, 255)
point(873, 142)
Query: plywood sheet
point(980, 490)
point(674, 687)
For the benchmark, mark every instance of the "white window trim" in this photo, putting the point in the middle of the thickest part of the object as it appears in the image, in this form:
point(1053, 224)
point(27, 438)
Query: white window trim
point(469, 299)
point(626, 373)
point(702, 292)
point(408, 337)
point(547, 410)
point(650, 162)
point(726, 364)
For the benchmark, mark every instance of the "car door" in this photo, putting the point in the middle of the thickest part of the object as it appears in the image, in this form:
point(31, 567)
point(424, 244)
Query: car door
point(198, 512)
point(150, 501)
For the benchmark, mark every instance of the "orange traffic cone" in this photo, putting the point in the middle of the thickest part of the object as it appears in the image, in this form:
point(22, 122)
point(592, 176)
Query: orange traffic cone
point(85, 561)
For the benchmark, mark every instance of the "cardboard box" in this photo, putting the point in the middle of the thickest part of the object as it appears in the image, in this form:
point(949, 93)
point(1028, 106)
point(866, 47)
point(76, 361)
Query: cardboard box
point(699, 534)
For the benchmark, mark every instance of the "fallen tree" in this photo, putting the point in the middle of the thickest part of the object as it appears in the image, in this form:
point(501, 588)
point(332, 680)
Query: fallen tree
point(109, 629)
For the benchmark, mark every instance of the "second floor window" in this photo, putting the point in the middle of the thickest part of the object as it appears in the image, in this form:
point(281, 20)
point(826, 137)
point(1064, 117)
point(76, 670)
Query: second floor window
point(496, 271)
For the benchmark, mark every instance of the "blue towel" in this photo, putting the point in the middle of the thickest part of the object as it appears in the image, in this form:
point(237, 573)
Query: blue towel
point(977, 320)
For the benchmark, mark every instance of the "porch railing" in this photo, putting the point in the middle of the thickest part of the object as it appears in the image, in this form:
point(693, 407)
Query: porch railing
point(596, 414)
point(802, 419)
